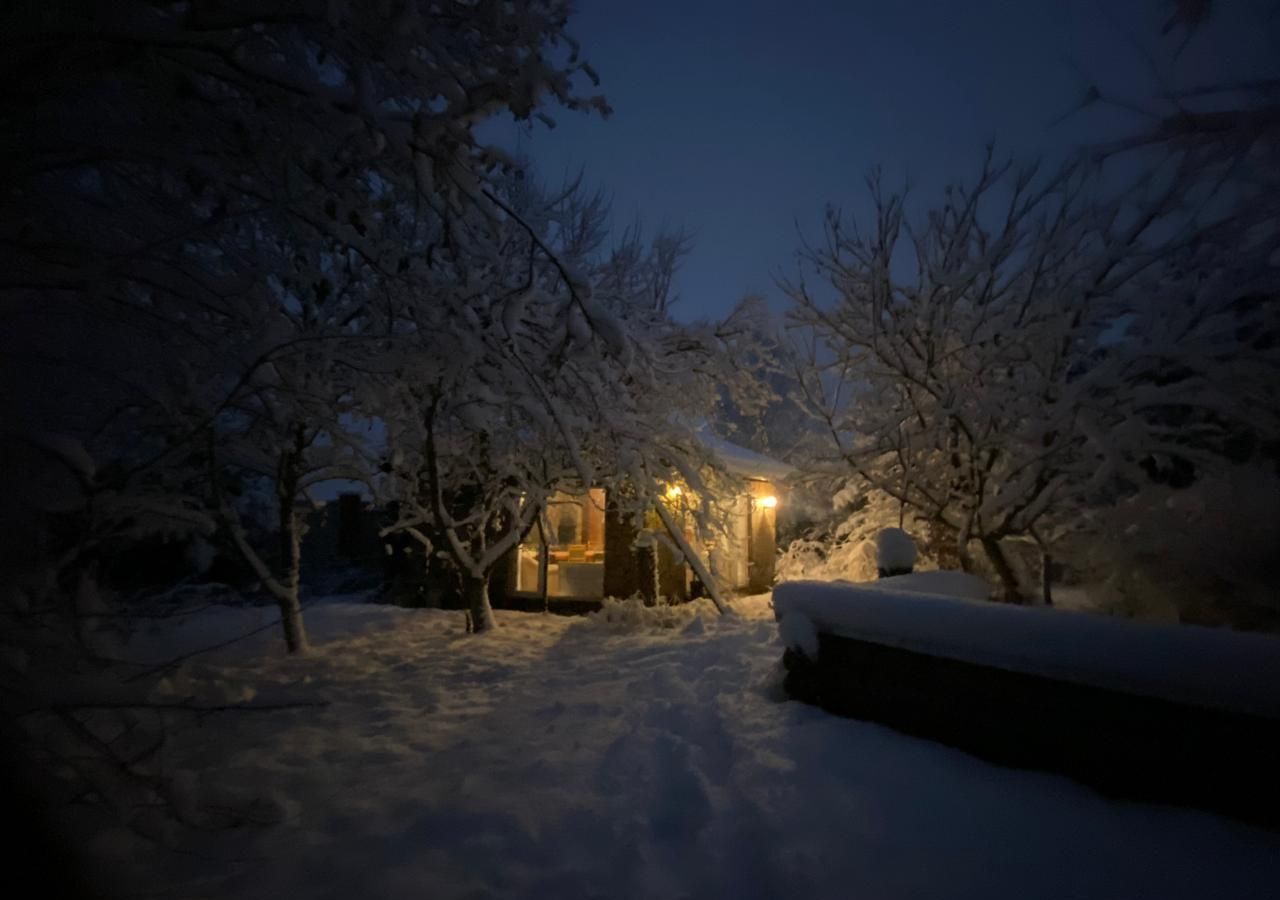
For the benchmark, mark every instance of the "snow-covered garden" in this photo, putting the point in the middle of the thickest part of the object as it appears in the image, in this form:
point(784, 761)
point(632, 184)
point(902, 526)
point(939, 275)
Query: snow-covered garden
point(634, 753)
point(313, 376)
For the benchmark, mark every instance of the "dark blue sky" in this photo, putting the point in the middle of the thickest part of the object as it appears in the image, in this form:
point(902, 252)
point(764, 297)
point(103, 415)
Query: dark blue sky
point(738, 120)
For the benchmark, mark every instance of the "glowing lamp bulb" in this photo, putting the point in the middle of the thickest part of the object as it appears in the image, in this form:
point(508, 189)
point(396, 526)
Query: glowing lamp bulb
point(674, 491)
point(768, 502)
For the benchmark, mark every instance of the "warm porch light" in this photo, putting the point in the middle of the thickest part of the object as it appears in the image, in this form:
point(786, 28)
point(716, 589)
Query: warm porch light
point(768, 502)
point(674, 491)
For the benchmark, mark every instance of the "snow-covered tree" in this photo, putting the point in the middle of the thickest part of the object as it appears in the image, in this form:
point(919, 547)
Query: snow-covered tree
point(1014, 353)
point(194, 297)
point(479, 429)
point(209, 181)
point(293, 418)
point(531, 357)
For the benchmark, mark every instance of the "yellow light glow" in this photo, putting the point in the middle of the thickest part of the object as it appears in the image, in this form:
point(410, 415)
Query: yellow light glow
point(768, 502)
point(674, 491)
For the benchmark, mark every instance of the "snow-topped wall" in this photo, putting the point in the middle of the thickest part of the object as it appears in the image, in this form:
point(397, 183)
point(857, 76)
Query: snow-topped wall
point(1209, 667)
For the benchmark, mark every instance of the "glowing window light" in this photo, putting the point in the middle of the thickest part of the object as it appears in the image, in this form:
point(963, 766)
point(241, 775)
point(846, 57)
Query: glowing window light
point(768, 502)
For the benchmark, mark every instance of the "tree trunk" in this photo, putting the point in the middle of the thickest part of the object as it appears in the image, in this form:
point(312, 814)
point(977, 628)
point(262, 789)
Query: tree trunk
point(646, 560)
point(1046, 578)
point(544, 564)
point(941, 543)
point(1008, 580)
point(295, 632)
point(476, 591)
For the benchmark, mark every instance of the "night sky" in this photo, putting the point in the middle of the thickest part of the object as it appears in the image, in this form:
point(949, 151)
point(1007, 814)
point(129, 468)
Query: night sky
point(740, 120)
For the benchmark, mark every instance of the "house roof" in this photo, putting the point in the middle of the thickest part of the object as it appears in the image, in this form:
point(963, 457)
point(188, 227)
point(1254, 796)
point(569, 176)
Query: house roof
point(744, 462)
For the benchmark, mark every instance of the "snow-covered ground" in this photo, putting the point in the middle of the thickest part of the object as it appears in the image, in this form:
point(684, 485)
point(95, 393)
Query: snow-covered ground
point(613, 757)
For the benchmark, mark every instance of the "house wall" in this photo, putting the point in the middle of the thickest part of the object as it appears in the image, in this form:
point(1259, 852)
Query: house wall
point(742, 560)
point(673, 574)
point(730, 558)
point(343, 533)
point(650, 570)
point(624, 573)
point(763, 541)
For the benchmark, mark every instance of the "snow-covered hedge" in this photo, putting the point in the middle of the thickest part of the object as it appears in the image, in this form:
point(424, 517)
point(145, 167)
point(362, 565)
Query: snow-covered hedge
point(1205, 666)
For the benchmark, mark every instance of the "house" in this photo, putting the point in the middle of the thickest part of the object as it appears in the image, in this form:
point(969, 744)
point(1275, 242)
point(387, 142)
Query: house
point(587, 549)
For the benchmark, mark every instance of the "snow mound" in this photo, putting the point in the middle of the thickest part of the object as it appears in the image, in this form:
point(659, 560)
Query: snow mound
point(753, 606)
point(1183, 663)
point(633, 615)
point(895, 551)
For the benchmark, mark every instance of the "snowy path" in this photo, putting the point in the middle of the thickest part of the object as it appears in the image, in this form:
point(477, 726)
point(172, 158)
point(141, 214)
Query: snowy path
point(563, 758)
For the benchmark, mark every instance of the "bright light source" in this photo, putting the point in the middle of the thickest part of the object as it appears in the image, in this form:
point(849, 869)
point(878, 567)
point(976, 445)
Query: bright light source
point(768, 502)
point(674, 491)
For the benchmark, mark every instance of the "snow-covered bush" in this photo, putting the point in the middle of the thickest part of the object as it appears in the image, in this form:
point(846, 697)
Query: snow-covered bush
point(1203, 554)
point(842, 546)
point(807, 559)
point(804, 559)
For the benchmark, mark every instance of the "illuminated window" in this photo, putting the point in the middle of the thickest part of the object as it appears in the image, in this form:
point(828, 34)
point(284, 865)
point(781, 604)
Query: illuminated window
point(575, 547)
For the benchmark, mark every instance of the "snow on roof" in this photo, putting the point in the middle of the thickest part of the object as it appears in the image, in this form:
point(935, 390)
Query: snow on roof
point(1185, 663)
point(744, 462)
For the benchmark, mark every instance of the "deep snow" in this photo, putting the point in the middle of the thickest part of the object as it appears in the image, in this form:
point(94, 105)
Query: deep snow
point(611, 757)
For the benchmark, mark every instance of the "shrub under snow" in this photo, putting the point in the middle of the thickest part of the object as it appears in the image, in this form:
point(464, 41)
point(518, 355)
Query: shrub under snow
point(846, 560)
point(1203, 554)
point(806, 559)
point(844, 548)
